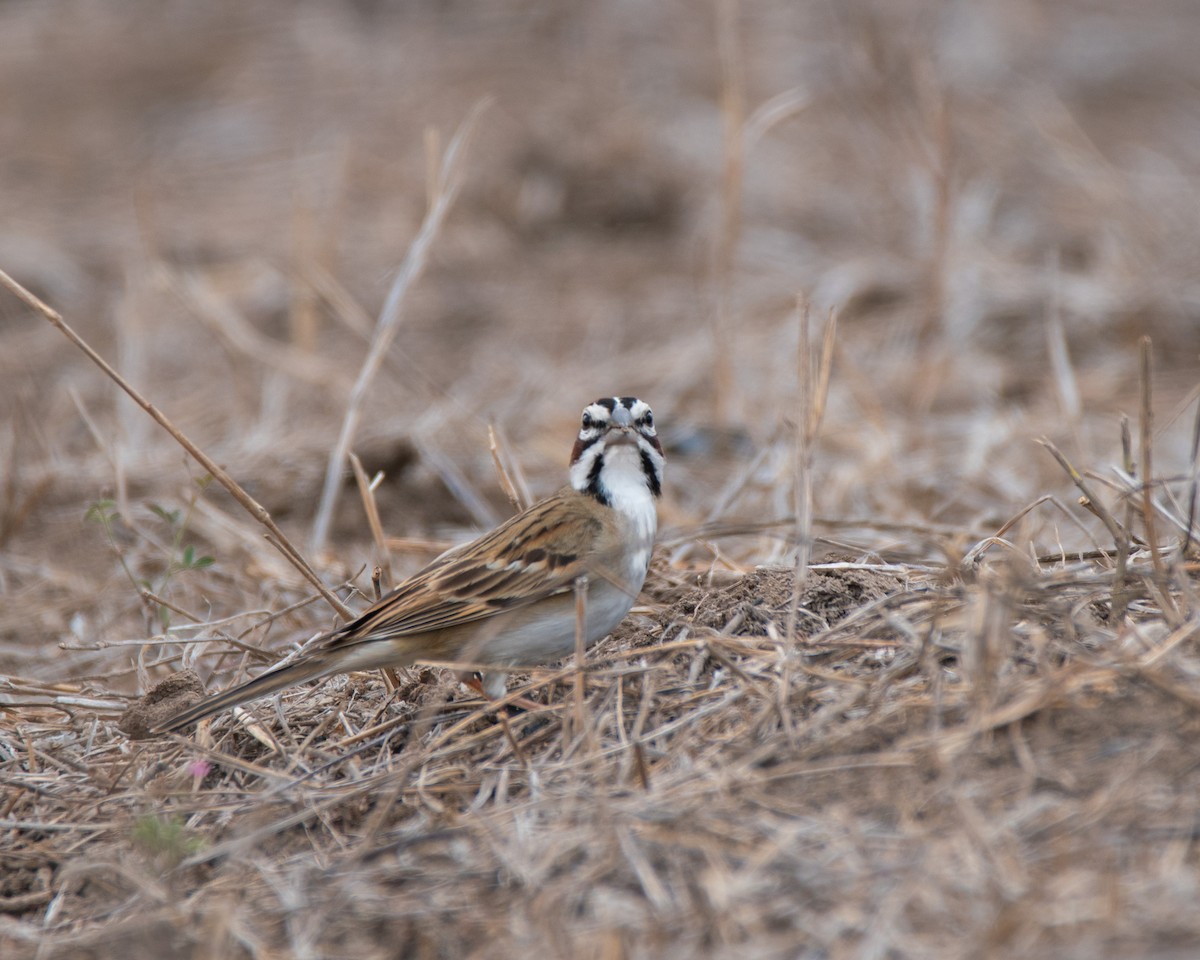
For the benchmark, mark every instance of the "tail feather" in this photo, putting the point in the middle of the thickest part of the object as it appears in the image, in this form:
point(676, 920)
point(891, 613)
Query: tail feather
point(307, 668)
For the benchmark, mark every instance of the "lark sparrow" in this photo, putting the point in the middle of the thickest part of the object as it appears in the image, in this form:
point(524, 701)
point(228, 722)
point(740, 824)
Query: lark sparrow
point(508, 599)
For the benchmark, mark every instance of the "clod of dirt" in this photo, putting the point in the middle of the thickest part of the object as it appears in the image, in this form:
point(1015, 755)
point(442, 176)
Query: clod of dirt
point(178, 692)
point(762, 597)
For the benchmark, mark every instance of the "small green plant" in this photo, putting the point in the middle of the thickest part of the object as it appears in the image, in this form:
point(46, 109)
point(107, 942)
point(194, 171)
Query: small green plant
point(104, 512)
point(164, 840)
point(180, 557)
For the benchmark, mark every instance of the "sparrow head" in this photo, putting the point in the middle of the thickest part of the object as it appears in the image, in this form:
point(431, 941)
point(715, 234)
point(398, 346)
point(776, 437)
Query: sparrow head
point(610, 425)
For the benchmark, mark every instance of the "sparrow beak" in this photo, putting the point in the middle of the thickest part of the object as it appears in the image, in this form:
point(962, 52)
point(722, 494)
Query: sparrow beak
point(621, 431)
point(620, 428)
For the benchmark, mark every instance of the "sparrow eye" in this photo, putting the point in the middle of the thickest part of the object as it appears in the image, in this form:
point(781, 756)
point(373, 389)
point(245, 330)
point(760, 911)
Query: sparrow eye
point(587, 420)
point(648, 419)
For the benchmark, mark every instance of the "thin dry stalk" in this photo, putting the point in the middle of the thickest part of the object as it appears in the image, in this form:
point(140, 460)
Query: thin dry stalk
point(580, 680)
point(102, 444)
point(733, 116)
point(366, 490)
point(449, 182)
point(1193, 485)
point(511, 481)
point(814, 377)
point(935, 103)
point(768, 115)
point(252, 506)
point(1066, 384)
point(1120, 536)
point(1146, 443)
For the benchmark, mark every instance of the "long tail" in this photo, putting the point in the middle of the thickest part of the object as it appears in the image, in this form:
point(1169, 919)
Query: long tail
point(306, 668)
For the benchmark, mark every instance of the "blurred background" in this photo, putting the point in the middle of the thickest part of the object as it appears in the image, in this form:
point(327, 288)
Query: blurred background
point(997, 198)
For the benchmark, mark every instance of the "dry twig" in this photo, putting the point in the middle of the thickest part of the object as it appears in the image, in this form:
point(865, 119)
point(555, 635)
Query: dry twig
point(449, 181)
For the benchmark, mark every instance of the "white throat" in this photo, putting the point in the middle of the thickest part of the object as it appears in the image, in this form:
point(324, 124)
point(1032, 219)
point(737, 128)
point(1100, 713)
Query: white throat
point(622, 481)
point(625, 481)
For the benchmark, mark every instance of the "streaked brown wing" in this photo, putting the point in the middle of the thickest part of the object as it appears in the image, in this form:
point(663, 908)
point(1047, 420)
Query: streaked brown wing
point(532, 556)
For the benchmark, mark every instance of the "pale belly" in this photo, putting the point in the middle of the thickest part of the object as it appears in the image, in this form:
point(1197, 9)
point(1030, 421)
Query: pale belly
point(528, 638)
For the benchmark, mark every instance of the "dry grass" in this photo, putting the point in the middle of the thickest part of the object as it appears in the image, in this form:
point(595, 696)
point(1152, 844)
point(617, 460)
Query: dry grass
point(892, 690)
